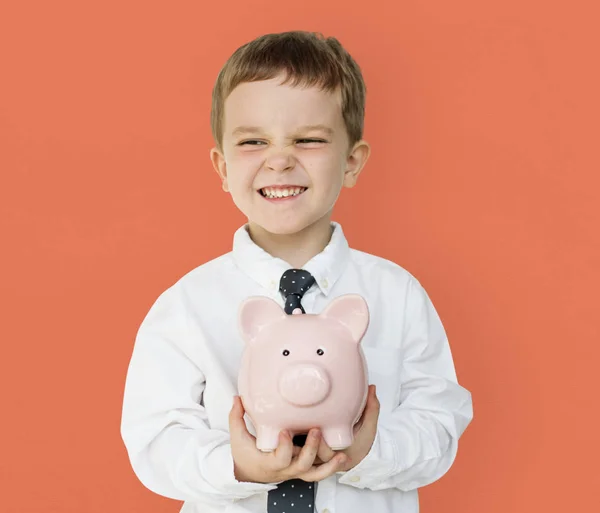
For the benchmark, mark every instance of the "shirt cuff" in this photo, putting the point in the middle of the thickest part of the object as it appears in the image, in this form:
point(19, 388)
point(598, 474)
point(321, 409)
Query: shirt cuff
point(223, 477)
point(378, 465)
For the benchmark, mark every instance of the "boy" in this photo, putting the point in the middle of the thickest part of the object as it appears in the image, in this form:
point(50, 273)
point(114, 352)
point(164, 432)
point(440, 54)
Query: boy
point(287, 117)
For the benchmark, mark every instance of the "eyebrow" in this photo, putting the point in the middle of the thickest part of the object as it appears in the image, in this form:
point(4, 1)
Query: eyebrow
point(306, 128)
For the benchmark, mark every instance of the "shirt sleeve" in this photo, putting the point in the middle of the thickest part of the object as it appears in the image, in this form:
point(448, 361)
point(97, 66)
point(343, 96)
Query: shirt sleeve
point(164, 426)
point(417, 442)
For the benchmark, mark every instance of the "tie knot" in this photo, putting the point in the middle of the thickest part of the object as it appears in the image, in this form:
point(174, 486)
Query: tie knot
point(293, 285)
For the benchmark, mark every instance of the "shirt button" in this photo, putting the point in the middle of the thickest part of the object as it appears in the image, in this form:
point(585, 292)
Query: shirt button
point(272, 285)
point(325, 510)
point(325, 285)
point(355, 479)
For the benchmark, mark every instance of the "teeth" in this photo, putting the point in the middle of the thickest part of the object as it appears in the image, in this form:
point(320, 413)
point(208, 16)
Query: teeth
point(270, 192)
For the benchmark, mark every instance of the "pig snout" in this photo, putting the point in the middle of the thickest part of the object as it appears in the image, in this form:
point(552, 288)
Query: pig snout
point(304, 384)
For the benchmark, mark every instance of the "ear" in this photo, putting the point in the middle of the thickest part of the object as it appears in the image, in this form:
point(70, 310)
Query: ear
point(352, 311)
point(218, 161)
point(255, 313)
point(357, 158)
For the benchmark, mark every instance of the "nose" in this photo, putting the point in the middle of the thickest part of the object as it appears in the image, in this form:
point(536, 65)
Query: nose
point(304, 384)
point(280, 160)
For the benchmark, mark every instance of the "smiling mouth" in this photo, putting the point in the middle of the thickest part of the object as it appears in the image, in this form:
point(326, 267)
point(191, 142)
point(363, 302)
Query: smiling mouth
point(281, 192)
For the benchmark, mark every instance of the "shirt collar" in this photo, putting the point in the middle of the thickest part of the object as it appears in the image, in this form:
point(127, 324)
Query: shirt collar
point(326, 267)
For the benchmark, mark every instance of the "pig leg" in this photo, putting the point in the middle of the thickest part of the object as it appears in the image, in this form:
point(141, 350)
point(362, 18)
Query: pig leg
point(267, 438)
point(338, 437)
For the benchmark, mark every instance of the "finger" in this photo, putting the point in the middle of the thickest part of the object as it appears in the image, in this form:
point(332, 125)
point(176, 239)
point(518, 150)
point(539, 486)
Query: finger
point(318, 473)
point(308, 453)
point(371, 414)
point(359, 423)
point(237, 409)
point(324, 452)
point(374, 391)
point(237, 425)
point(283, 454)
point(370, 393)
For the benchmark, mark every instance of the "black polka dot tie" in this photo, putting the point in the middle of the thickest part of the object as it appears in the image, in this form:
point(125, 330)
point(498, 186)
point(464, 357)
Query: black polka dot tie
point(293, 285)
point(295, 495)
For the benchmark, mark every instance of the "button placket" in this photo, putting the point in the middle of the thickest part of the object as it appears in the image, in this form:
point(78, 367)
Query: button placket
point(325, 498)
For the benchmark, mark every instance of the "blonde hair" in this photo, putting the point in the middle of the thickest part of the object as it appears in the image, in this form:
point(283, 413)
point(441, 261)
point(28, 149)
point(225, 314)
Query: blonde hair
point(307, 59)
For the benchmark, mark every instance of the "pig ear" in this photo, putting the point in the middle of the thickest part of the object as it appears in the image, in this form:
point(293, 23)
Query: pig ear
point(352, 311)
point(255, 313)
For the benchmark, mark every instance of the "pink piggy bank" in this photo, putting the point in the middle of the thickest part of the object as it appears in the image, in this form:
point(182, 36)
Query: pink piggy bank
point(303, 371)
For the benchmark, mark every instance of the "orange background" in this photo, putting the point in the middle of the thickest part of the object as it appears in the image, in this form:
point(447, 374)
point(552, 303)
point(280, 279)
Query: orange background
point(483, 118)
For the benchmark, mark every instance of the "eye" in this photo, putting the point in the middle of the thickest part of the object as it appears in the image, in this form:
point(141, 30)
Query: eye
point(285, 352)
point(251, 143)
point(320, 352)
point(308, 141)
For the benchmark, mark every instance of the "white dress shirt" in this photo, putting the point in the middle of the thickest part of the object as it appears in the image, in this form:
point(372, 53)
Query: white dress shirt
point(183, 375)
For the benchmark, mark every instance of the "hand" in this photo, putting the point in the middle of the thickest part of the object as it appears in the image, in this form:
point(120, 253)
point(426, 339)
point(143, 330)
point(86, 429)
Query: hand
point(364, 432)
point(364, 435)
point(285, 462)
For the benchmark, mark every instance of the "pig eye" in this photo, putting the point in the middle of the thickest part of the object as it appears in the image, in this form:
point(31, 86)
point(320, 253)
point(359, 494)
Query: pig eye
point(285, 352)
point(320, 352)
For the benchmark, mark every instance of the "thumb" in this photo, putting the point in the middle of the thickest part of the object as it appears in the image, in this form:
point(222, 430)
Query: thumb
point(237, 425)
point(372, 406)
point(367, 412)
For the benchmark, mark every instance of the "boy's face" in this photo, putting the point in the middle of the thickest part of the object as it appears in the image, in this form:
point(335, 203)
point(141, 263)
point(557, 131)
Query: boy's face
point(282, 174)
